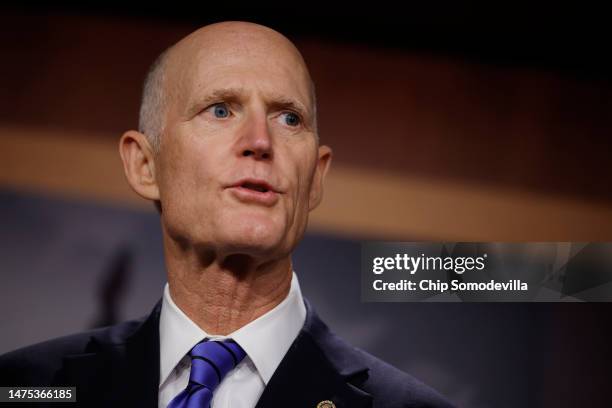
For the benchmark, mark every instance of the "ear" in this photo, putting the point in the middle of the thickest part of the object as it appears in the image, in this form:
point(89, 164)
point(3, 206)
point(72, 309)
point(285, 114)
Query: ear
point(139, 164)
point(316, 190)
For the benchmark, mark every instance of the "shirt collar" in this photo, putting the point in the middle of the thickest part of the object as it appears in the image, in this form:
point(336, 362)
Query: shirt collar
point(265, 339)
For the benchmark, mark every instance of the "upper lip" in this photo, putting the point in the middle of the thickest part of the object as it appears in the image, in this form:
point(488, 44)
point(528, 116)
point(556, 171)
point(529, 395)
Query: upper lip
point(254, 183)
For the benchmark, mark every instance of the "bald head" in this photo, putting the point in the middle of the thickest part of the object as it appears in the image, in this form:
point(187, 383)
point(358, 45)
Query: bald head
point(230, 46)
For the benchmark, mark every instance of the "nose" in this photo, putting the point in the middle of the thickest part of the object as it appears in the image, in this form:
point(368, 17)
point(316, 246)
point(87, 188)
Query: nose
point(256, 141)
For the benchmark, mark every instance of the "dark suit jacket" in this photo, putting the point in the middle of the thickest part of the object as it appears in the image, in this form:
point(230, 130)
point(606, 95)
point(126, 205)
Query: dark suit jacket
point(119, 366)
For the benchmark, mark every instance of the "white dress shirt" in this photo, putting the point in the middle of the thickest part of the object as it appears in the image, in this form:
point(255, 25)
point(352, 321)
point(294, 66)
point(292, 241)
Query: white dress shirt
point(265, 340)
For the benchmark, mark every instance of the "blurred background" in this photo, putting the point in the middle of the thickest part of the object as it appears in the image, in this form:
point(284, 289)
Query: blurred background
point(448, 122)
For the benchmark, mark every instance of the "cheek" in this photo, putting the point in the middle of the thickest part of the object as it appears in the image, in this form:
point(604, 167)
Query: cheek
point(186, 179)
point(304, 175)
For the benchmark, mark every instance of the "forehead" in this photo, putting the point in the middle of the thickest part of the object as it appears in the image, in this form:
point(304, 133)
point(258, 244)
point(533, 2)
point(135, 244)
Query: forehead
point(262, 65)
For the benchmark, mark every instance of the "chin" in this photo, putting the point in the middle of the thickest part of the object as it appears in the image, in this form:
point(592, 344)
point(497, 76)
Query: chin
point(258, 238)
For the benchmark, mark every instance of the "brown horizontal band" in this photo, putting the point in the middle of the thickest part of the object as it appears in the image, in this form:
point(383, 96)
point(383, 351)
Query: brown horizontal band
point(359, 202)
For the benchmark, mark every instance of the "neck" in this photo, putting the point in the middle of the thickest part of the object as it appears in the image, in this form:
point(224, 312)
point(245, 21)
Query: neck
point(222, 294)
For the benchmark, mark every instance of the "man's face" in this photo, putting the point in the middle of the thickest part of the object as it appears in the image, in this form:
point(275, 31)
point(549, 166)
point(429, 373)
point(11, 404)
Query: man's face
point(239, 167)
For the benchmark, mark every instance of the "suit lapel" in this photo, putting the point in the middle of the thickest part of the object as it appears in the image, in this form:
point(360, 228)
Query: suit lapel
point(119, 368)
point(308, 374)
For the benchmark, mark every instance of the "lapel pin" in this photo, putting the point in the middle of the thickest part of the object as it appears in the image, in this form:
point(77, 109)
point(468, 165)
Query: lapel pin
point(326, 404)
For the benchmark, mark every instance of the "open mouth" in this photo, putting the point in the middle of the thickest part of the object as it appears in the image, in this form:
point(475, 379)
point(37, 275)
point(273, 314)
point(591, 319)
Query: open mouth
point(256, 187)
point(255, 191)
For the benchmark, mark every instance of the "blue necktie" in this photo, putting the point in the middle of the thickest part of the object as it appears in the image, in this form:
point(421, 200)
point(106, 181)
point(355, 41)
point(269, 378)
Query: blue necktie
point(210, 363)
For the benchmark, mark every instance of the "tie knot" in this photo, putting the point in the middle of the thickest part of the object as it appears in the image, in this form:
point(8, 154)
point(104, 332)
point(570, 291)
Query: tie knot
point(211, 360)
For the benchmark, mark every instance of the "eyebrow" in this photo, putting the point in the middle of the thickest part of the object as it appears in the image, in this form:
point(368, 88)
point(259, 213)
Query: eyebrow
point(274, 101)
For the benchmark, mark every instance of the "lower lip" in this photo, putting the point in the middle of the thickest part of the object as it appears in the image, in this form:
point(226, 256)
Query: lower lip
point(246, 195)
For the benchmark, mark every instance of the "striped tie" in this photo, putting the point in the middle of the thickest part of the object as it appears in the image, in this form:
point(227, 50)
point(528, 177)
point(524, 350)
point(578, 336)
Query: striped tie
point(210, 363)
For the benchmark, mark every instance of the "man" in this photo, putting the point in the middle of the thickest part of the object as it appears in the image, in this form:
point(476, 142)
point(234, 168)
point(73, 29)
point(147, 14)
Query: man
point(229, 152)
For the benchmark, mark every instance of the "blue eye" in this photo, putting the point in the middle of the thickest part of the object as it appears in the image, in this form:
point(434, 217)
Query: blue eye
point(220, 110)
point(291, 119)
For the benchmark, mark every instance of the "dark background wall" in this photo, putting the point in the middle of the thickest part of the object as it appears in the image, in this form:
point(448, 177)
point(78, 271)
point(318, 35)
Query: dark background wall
point(455, 123)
